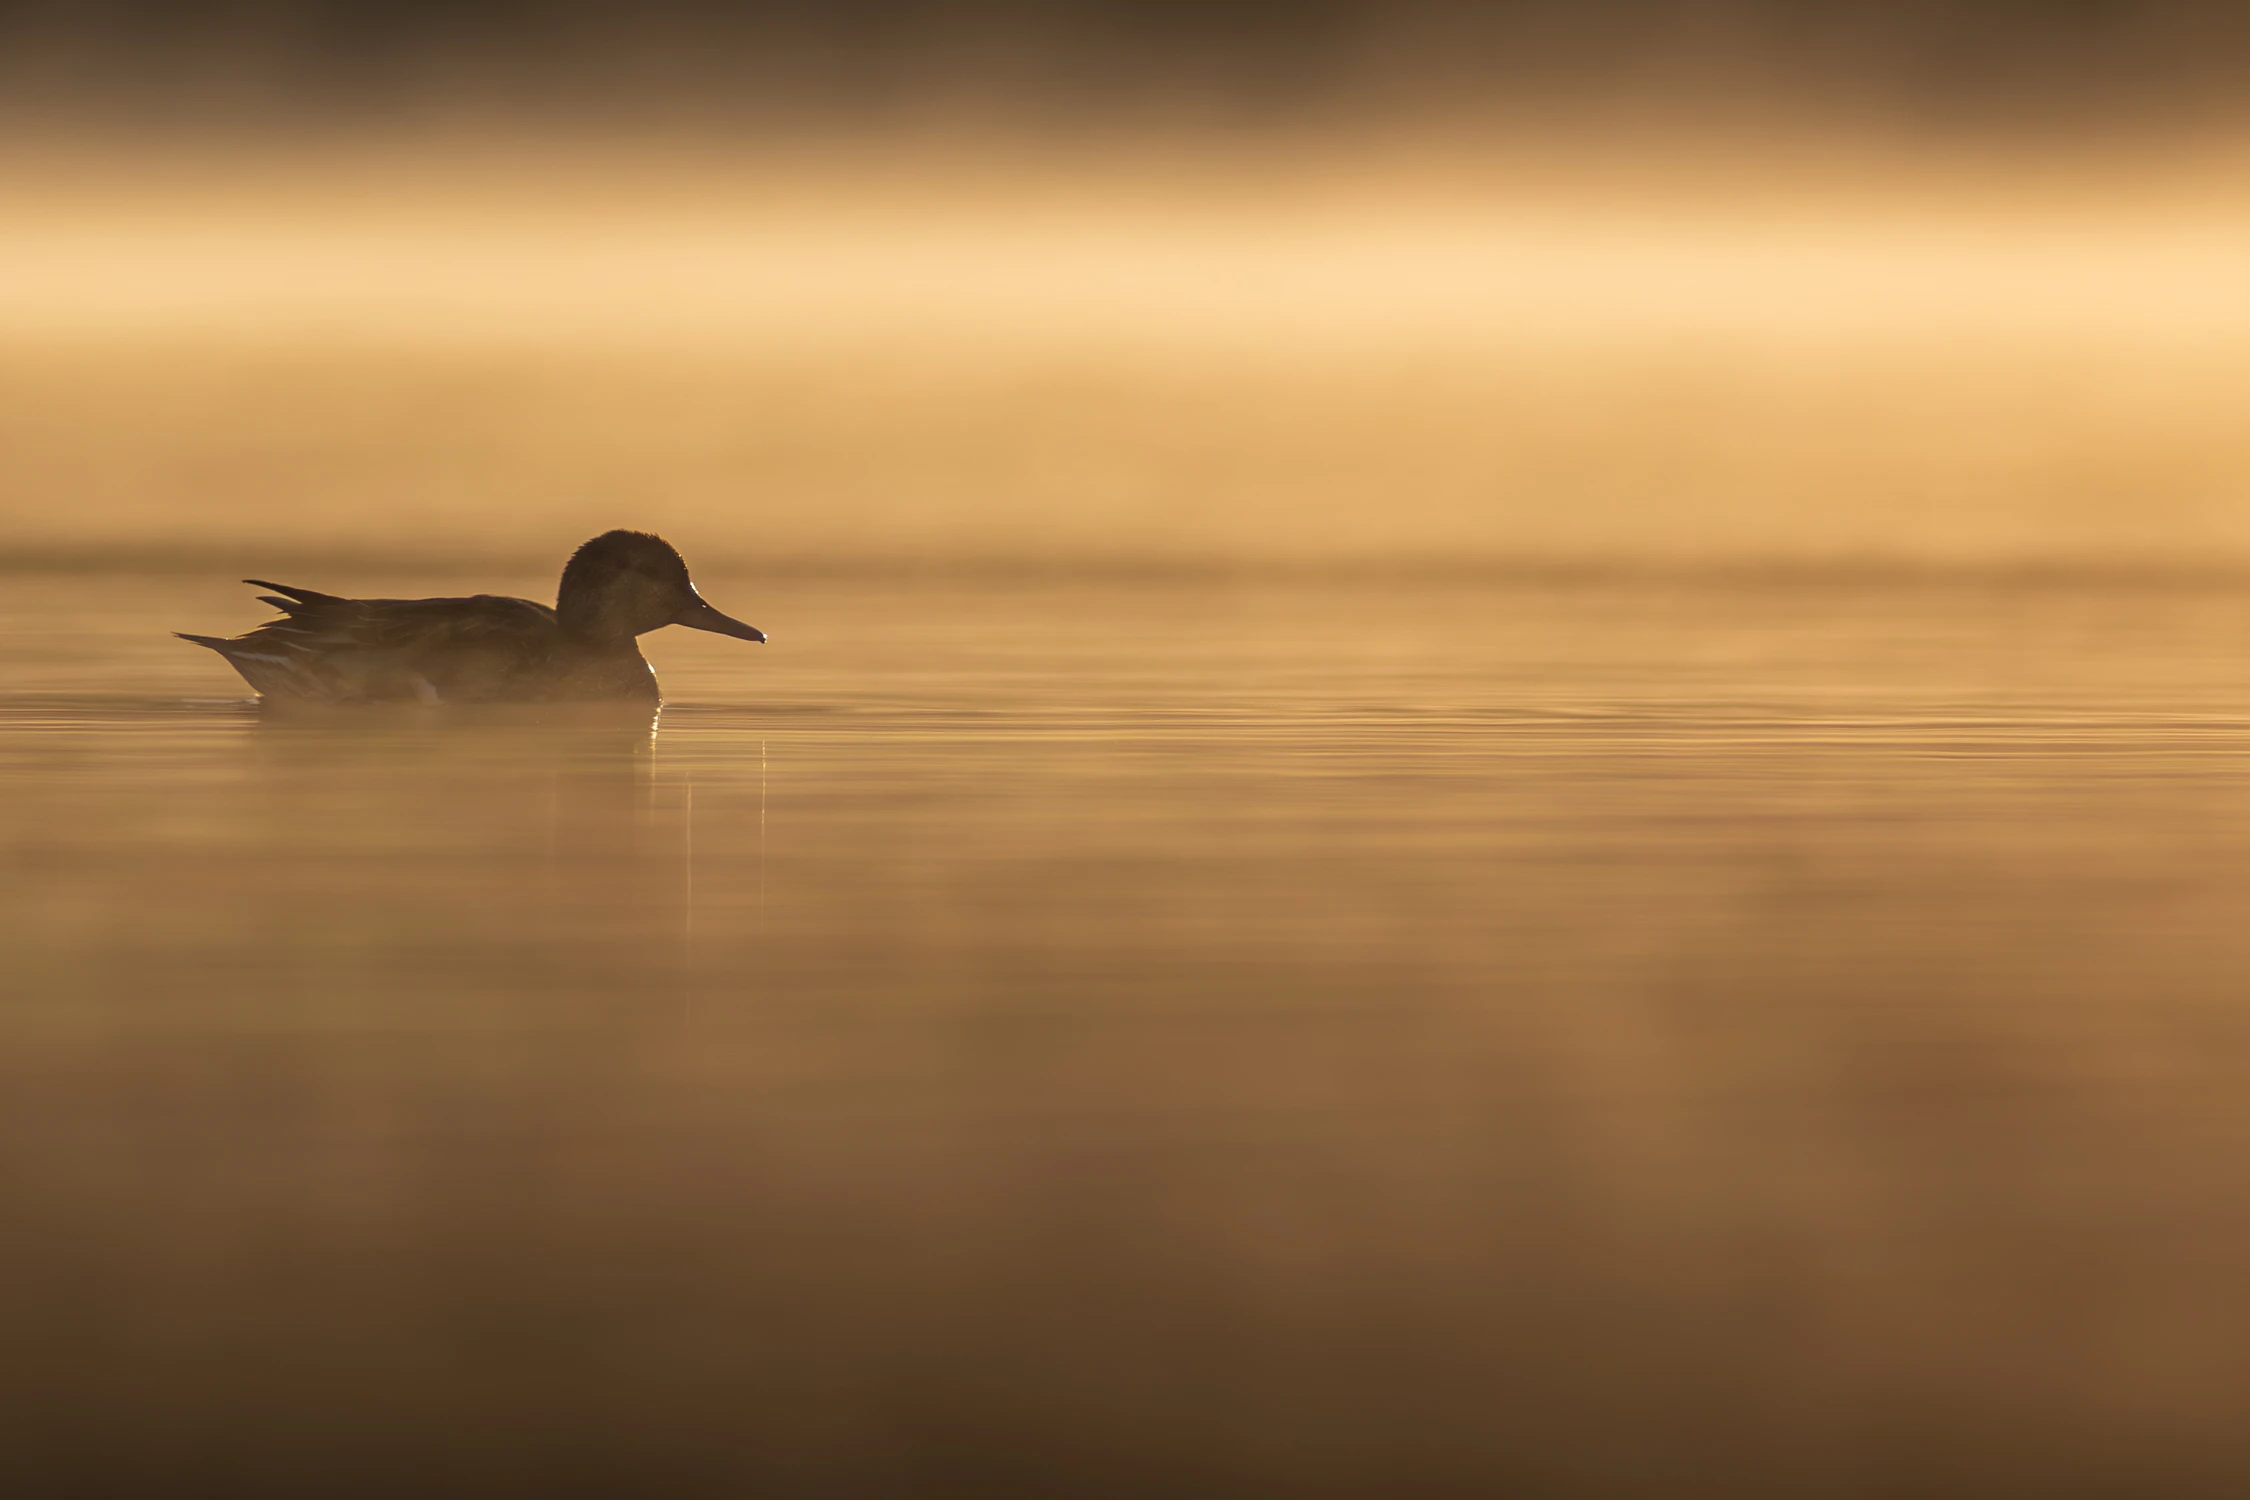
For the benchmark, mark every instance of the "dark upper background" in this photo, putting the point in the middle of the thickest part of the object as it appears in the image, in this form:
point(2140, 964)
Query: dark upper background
point(1939, 64)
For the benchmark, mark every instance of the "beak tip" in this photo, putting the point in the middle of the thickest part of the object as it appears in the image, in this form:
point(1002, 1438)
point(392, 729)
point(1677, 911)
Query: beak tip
point(703, 617)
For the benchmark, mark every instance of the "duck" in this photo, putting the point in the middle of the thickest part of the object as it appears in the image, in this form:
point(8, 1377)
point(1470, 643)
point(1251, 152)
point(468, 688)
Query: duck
point(486, 648)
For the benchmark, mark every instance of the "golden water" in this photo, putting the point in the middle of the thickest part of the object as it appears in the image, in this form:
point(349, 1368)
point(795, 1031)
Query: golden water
point(1323, 1038)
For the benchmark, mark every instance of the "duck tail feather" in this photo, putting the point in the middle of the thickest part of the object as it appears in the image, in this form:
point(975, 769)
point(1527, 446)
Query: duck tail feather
point(212, 641)
point(302, 596)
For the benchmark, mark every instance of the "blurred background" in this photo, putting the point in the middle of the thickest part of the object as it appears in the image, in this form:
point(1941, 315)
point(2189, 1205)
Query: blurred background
point(1504, 751)
point(971, 285)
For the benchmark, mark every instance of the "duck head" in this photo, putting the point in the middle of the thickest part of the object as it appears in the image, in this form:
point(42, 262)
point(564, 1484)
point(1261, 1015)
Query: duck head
point(627, 583)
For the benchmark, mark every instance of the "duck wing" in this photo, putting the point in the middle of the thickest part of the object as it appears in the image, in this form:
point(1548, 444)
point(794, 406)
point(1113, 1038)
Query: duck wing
point(326, 649)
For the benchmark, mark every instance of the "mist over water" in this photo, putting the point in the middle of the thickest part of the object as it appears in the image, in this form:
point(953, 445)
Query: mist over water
point(1536, 806)
point(1300, 1038)
point(1394, 360)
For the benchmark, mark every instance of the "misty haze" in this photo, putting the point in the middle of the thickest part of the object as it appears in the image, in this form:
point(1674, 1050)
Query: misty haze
point(1501, 754)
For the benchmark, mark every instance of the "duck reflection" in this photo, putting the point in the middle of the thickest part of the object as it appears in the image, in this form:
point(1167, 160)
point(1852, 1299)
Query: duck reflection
point(572, 773)
point(552, 840)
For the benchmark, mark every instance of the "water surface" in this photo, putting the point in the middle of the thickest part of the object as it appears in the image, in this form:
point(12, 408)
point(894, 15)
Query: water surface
point(1627, 1036)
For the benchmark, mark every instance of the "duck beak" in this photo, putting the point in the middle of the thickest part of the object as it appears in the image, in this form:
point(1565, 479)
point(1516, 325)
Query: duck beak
point(701, 616)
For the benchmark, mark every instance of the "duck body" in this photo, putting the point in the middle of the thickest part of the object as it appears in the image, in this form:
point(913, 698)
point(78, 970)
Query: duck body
point(485, 648)
point(482, 649)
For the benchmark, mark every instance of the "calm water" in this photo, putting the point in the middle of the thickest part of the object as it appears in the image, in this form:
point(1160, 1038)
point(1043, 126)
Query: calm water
point(1633, 1037)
